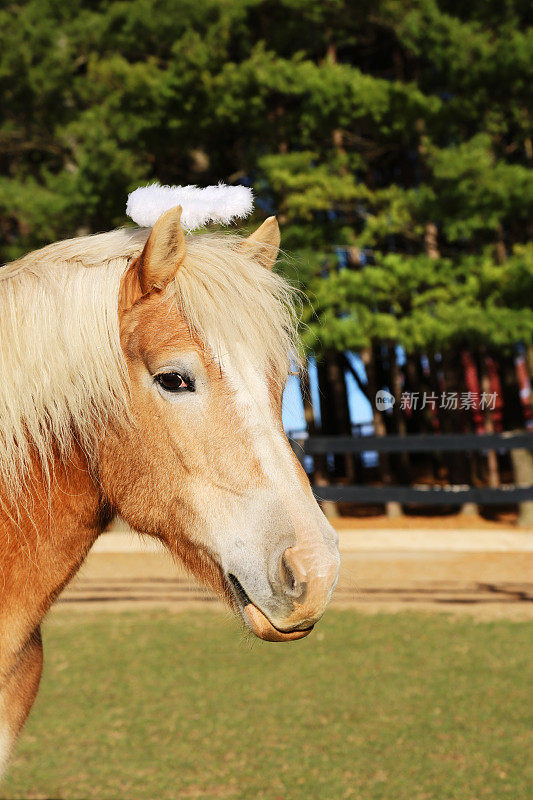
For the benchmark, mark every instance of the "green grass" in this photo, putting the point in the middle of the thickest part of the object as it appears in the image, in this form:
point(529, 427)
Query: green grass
point(160, 705)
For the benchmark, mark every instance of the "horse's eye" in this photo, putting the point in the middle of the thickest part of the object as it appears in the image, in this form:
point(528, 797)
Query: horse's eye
point(174, 382)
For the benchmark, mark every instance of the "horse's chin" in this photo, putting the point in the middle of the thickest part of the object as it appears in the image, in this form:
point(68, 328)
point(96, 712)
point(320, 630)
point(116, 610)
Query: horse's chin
point(263, 628)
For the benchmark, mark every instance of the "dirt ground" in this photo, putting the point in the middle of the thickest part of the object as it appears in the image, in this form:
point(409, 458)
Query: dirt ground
point(484, 569)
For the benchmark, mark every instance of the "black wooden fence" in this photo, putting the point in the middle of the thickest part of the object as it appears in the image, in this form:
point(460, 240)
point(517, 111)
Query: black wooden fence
point(418, 443)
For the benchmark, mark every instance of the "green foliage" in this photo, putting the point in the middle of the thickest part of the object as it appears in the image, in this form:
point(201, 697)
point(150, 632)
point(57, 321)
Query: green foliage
point(490, 193)
point(360, 124)
point(425, 304)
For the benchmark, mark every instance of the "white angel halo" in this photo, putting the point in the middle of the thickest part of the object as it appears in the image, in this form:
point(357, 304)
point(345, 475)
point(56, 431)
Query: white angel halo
point(220, 204)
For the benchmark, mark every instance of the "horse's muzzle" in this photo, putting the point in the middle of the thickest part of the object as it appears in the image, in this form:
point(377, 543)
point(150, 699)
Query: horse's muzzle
point(300, 588)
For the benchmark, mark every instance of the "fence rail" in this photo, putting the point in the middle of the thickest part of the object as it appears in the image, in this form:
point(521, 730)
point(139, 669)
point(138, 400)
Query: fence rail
point(418, 443)
point(425, 496)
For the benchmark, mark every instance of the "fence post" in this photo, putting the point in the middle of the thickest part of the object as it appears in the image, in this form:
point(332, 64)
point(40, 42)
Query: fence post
point(522, 461)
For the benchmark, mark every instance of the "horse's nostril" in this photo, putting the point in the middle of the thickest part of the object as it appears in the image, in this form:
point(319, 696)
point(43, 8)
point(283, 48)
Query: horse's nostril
point(293, 578)
point(287, 575)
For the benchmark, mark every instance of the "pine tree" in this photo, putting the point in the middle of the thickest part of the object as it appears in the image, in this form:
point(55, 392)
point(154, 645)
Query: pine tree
point(393, 139)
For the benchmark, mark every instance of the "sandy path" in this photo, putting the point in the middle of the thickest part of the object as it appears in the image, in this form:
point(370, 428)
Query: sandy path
point(487, 573)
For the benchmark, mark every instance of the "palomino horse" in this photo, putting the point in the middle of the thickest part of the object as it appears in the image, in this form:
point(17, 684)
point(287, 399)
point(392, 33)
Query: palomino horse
point(142, 374)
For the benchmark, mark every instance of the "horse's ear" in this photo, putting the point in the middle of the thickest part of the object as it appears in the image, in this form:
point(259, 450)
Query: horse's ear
point(163, 252)
point(158, 263)
point(263, 244)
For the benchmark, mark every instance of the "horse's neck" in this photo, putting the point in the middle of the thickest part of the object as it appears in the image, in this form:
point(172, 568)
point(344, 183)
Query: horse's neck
point(43, 545)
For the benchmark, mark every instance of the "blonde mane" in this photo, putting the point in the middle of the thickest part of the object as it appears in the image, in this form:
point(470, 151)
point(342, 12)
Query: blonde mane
point(63, 374)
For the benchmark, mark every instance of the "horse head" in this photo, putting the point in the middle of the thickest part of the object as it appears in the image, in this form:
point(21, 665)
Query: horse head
point(202, 462)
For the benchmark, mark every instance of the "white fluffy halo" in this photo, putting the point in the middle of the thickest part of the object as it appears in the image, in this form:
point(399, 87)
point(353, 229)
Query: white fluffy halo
point(200, 206)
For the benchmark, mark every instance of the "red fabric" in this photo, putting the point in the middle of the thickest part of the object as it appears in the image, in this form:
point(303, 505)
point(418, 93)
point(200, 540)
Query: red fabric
point(472, 386)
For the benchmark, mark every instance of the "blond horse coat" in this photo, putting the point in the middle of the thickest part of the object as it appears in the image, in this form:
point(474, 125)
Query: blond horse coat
point(142, 374)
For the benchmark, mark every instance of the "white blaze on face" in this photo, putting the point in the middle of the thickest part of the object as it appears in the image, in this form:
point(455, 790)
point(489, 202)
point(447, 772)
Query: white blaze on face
point(254, 406)
point(272, 450)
